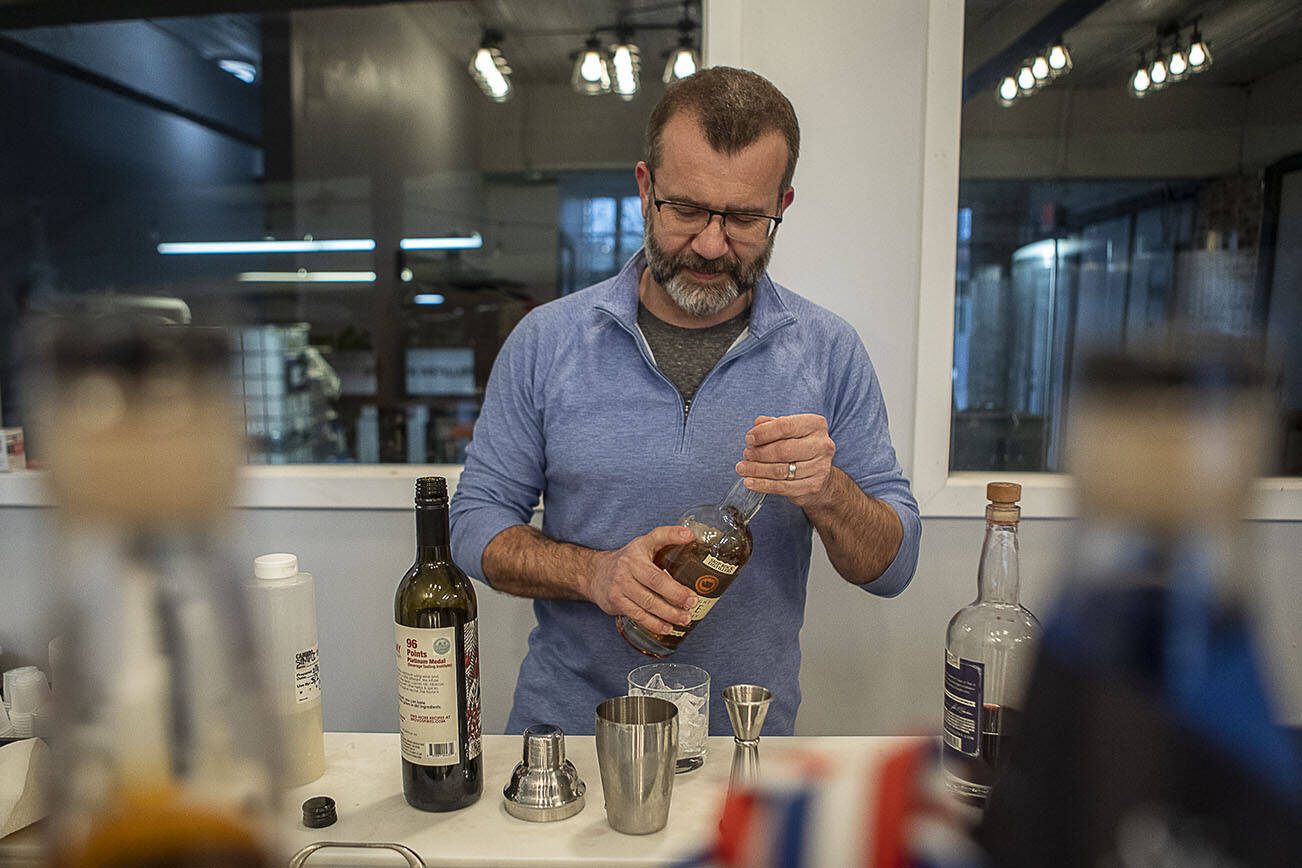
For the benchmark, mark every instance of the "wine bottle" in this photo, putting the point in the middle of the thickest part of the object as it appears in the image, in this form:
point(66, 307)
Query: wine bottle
point(990, 648)
point(708, 564)
point(437, 646)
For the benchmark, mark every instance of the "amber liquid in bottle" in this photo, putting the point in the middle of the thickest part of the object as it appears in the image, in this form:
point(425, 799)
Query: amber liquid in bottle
point(708, 564)
point(437, 646)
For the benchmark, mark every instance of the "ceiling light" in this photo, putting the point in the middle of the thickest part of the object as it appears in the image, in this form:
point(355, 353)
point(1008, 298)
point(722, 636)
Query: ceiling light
point(1007, 92)
point(241, 69)
point(683, 60)
point(307, 245)
point(1140, 83)
point(1040, 69)
point(627, 66)
point(489, 68)
point(1025, 80)
point(591, 71)
point(1157, 75)
point(428, 298)
point(1059, 59)
point(447, 242)
point(1178, 63)
point(1200, 53)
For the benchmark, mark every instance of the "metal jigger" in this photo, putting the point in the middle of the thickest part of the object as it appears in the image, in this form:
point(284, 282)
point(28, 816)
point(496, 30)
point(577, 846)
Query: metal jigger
point(747, 706)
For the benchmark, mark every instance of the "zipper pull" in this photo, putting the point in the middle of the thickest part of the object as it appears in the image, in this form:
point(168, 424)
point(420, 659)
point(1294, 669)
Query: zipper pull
point(687, 406)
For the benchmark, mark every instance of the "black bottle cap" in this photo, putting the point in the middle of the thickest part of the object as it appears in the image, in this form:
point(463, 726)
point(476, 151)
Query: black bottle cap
point(431, 491)
point(319, 812)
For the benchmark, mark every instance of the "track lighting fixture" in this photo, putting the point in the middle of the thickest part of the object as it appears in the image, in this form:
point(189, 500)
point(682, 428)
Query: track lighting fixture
point(1034, 73)
point(1171, 61)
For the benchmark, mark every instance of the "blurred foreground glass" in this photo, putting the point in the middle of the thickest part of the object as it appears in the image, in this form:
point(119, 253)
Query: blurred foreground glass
point(161, 750)
point(1149, 719)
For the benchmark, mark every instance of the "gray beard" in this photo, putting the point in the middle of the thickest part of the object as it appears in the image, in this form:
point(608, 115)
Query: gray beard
point(693, 297)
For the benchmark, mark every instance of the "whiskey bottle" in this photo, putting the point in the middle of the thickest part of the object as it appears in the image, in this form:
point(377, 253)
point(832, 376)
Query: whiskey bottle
point(990, 649)
point(437, 647)
point(708, 564)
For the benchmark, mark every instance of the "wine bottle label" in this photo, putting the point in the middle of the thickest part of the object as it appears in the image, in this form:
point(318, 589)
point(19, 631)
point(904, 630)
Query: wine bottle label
point(307, 675)
point(964, 688)
point(473, 726)
point(427, 694)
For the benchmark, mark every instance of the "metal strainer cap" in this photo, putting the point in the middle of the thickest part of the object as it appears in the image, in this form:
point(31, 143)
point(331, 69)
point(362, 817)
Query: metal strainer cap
point(544, 786)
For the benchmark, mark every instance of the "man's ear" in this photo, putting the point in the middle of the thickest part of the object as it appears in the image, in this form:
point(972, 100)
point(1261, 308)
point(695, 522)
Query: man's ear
point(787, 198)
point(643, 174)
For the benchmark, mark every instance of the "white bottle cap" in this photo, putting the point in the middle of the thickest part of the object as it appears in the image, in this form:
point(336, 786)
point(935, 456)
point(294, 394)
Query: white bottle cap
point(277, 566)
point(30, 691)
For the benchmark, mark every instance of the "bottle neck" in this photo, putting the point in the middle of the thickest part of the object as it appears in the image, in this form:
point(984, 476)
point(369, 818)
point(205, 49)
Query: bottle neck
point(432, 533)
point(742, 499)
point(997, 577)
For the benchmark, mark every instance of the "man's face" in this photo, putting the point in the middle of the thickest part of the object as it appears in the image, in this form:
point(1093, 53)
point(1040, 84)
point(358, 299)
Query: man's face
point(680, 272)
point(705, 272)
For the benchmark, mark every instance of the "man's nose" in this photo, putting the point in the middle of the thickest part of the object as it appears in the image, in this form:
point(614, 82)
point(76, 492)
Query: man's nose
point(711, 242)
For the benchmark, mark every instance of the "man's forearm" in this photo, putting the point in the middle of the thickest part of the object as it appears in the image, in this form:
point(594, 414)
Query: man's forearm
point(862, 535)
point(521, 560)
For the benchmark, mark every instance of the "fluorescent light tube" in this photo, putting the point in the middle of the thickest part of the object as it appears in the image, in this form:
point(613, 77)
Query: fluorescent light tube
point(305, 246)
point(447, 242)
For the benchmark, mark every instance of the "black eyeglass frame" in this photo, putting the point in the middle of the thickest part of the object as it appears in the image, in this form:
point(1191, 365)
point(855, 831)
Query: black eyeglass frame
point(722, 215)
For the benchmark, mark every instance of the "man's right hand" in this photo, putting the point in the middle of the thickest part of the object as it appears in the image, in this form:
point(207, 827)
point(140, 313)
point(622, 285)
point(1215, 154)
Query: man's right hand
point(627, 582)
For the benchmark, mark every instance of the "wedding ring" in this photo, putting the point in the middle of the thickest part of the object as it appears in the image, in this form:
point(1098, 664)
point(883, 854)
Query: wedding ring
point(791, 472)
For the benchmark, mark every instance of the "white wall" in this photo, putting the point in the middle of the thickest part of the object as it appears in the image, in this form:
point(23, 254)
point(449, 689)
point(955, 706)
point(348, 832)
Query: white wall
point(853, 243)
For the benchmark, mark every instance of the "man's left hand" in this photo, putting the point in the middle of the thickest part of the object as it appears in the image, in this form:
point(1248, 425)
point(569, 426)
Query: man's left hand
point(775, 446)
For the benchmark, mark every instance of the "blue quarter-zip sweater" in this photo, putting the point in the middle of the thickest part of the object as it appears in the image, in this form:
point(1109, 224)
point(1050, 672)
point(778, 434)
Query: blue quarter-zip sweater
point(577, 411)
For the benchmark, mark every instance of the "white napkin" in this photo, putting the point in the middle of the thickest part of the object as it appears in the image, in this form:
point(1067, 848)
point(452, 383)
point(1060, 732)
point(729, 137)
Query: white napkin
point(23, 768)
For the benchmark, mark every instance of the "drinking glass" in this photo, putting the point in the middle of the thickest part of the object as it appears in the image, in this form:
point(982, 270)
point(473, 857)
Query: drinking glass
point(687, 687)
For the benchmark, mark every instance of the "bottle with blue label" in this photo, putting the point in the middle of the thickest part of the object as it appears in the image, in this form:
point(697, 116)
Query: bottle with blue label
point(990, 648)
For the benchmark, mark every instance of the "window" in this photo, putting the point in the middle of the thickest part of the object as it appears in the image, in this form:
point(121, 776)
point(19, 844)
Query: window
point(427, 218)
point(1090, 217)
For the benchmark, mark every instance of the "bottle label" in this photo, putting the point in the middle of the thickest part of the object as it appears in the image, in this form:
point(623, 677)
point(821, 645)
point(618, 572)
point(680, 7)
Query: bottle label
point(307, 675)
point(964, 689)
point(474, 728)
point(703, 605)
point(721, 566)
point(428, 715)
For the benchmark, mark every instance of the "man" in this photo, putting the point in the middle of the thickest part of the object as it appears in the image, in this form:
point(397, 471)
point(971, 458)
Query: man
point(632, 400)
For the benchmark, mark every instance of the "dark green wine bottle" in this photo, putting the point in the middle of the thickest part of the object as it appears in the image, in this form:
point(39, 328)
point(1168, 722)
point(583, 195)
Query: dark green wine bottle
point(437, 645)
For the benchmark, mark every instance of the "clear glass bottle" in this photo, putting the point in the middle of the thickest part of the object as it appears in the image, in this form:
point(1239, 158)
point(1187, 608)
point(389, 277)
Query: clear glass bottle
point(437, 645)
point(708, 564)
point(161, 748)
point(990, 648)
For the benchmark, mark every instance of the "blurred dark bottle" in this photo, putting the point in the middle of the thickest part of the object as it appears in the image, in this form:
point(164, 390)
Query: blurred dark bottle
point(990, 648)
point(161, 747)
point(436, 630)
point(1149, 737)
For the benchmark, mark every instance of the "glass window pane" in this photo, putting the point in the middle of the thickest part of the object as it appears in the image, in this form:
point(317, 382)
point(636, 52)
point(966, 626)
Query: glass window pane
point(425, 219)
point(1088, 218)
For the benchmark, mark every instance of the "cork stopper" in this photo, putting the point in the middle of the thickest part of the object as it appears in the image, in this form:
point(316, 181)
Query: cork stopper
point(1003, 497)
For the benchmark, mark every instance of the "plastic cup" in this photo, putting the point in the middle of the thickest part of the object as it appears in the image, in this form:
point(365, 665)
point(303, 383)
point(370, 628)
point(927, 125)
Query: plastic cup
point(688, 688)
point(637, 745)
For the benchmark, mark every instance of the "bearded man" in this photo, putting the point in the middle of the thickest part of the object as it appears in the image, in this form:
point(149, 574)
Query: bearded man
point(628, 402)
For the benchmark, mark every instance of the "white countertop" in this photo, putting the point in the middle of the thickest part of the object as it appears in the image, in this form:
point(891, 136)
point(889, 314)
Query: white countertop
point(363, 776)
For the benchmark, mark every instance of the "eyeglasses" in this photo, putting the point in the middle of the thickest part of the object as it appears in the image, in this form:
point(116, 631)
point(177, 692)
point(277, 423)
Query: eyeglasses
point(687, 219)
